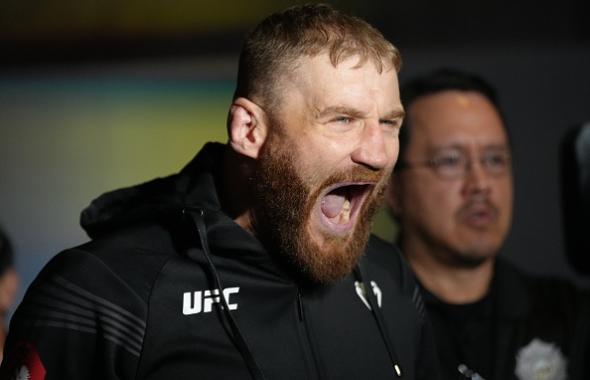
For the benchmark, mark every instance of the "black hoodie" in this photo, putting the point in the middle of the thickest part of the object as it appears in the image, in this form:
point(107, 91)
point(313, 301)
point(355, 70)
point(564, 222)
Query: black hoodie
point(141, 300)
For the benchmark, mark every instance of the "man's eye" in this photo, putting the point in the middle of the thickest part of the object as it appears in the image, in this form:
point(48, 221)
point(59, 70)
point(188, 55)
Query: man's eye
point(342, 119)
point(447, 161)
point(496, 160)
point(393, 123)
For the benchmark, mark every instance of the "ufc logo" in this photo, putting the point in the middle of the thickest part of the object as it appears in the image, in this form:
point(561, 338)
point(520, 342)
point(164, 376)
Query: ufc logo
point(202, 301)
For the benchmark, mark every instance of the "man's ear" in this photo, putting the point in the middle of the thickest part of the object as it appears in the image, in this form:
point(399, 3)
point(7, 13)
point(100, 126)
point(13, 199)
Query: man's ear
point(247, 127)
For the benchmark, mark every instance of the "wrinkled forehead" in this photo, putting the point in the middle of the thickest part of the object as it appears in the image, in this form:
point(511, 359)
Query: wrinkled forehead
point(318, 74)
point(349, 61)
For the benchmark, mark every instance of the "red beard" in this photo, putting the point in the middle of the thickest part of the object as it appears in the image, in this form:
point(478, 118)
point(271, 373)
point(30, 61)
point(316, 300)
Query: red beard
point(285, 206)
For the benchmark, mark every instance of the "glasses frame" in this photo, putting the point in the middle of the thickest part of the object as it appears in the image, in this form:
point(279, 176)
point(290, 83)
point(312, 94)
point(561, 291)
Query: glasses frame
point(484, 162)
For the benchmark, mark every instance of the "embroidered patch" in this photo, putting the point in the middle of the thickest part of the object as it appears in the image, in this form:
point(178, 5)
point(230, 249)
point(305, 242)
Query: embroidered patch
point(361, 292)
point(540, 360)
point(26, 364)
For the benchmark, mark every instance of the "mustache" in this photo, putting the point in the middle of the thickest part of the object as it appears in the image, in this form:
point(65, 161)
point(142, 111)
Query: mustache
point(477, 201)
point(356, 174)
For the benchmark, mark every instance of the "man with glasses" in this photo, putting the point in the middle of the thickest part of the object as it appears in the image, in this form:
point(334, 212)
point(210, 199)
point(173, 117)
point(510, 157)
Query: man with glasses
point(451, 193)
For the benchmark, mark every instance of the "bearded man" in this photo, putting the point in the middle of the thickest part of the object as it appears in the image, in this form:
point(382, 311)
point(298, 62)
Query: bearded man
point(249, 263)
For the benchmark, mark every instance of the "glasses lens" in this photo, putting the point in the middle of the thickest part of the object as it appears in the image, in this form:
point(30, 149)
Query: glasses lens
point(449, 164)
point(496, 162)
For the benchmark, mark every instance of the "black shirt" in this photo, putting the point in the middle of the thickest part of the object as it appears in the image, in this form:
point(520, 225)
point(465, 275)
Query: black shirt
point(464, 333)
point(523, 323)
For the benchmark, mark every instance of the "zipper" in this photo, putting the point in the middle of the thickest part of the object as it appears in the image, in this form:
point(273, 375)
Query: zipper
point(312, 353)
point(300, 311)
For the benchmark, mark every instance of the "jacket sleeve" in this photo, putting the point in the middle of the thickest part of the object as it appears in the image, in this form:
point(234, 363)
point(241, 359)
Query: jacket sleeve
point(78, 320)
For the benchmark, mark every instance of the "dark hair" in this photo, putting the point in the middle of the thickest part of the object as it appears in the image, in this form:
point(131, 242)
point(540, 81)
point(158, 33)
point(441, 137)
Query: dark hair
point(6, 254)
point(273, 47)
point(440, 80)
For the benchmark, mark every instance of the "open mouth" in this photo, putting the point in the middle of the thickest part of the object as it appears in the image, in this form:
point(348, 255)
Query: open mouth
point(340, 205)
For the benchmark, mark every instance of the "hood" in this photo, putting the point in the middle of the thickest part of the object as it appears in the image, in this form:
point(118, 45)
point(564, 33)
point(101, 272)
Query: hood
point(124, 207)
point(163, 198)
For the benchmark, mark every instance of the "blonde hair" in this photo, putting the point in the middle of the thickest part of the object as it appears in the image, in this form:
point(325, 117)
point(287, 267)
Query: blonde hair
point(274, 46)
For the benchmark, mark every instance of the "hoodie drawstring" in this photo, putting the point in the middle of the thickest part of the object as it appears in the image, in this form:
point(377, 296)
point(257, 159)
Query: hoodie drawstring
point(376, 311)
point(197, 217)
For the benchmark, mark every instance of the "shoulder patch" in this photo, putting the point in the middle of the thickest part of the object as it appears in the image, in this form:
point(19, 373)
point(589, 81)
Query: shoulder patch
point(540, 360)
point(25, 363)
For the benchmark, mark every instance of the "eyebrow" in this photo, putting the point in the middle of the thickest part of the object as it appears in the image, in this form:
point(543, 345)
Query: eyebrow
point(397, 113)
point(456, 146)
point(334, 110)
point(394, 114)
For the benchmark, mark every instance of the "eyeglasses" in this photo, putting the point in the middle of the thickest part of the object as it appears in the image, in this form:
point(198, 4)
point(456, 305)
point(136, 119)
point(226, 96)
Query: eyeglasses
point(454, 164)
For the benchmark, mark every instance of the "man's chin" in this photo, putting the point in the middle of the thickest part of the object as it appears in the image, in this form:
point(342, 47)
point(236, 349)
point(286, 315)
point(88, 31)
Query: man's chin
point(329, 252)
point(469, 262)
point(474, 257)
point(332, 268)
point(327, 258)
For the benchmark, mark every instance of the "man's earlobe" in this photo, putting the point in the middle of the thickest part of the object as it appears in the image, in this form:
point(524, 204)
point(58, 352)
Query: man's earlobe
point(246, 127)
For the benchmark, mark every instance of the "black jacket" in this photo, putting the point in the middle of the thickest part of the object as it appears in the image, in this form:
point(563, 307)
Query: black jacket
point(141, 301)
point(535, 317)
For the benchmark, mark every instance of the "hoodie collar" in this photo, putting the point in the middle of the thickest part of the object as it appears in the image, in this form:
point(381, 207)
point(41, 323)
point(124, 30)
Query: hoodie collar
point(202, 192)
point(194, 186)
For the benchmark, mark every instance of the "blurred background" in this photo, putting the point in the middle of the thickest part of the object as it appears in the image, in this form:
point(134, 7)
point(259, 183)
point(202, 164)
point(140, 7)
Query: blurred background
point(97, 95)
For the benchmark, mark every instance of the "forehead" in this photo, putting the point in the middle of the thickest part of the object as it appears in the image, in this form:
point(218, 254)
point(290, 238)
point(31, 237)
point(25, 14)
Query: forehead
point(320, 83)
point(455, 118)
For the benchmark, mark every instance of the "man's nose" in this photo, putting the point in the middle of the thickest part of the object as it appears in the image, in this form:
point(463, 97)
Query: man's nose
point(477, 179)
point(372, 150)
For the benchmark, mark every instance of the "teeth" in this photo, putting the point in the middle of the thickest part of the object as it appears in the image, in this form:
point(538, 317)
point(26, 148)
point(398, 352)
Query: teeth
point(345, 213)
point(346, 206)
point(345, 217)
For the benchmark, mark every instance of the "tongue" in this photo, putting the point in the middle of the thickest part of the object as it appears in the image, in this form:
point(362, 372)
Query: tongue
point(332, 204)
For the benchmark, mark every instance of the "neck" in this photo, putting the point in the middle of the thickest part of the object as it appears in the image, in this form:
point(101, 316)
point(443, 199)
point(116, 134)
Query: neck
point(236, 188)
point(451, 283)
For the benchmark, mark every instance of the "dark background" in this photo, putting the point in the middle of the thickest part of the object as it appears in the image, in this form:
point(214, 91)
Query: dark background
point(68, 31)
point(537, 55)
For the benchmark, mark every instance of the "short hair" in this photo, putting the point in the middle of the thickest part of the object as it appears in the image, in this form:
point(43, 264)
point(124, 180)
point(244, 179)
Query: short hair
point(6, 253)
point(439, 80)
point(274, 46)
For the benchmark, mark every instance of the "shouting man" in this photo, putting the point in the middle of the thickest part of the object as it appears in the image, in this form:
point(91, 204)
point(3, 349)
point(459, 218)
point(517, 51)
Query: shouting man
point(250, 262)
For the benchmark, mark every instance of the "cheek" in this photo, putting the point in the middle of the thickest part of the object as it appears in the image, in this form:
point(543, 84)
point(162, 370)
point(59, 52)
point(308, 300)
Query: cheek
point(443, 204)
point(311, 164)
point(432, 203)
point(504, 199)
point(320, 158)
point(392, 149)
